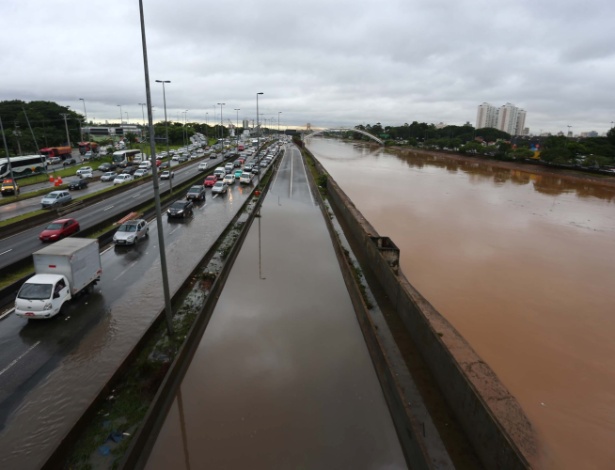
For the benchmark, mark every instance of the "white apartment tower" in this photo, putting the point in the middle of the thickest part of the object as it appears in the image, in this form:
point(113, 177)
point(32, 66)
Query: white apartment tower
point(507, 118)
point(487, 116)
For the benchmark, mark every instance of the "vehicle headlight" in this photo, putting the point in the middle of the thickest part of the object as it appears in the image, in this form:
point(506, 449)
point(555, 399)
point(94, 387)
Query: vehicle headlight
point(180, 211)
point(48, 306)
point(131, 238)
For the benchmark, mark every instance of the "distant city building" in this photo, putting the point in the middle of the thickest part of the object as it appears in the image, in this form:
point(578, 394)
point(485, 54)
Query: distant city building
point(245, 123)
point(589, 134)
point(507, 118)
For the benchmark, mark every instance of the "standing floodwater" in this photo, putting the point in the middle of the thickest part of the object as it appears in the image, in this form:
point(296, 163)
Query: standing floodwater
point(522, 264)
point(282, 377)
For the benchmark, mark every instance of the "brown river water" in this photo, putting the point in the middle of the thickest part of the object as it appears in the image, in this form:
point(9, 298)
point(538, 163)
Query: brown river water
point(522, 264)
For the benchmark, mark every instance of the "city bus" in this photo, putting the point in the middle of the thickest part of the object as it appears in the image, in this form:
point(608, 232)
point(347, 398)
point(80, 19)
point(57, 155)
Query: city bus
point(124, 157)
point(23, 166)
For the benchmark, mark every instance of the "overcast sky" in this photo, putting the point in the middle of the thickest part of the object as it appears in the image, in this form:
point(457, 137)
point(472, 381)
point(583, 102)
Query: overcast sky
point(329, 63)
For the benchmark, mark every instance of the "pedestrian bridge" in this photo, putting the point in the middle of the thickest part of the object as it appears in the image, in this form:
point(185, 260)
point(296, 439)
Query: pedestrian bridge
point(346, 129)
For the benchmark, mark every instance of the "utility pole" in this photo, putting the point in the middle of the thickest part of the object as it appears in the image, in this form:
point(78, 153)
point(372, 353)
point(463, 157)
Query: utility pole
point(237, 129)
point(66, 127)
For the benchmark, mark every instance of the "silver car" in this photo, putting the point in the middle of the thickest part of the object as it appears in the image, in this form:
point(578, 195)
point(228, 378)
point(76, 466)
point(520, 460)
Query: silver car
point(56, 198)
point(130, 232)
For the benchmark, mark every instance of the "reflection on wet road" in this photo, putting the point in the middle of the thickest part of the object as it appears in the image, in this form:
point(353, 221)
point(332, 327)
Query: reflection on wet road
point(521, 263)
point(282, 377)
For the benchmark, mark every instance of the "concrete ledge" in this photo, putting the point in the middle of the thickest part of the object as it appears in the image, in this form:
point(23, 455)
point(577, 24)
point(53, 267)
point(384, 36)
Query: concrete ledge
point(491, 417)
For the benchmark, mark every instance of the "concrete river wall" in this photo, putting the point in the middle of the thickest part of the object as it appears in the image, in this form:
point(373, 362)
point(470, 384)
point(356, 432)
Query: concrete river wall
point(491, 417)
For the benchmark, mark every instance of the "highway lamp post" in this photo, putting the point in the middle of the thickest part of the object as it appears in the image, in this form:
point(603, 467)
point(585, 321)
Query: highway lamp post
point(121, 117)
point(258, 130)
point(85, 115)
point(161, 244)
point(185, 132)
point(143, 126)
point(569, 132)
point(279, 112)
point(126, 113)
point(237, 129)
point(206, 126)
point(66, 127)
point(221, 122)
point(166, 127)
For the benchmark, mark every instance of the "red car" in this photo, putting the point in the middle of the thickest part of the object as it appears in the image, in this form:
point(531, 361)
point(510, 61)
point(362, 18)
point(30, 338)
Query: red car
point(210, 181)
point(59, 229)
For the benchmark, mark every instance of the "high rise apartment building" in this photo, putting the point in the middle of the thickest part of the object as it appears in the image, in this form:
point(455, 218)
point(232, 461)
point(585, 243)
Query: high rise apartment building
point(507, 118)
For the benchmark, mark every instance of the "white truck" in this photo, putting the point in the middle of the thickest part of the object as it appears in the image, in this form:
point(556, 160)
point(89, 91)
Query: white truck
point(63, 270)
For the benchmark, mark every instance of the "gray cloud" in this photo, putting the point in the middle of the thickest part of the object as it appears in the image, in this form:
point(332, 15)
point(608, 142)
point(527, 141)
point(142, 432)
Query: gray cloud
point(327, 63)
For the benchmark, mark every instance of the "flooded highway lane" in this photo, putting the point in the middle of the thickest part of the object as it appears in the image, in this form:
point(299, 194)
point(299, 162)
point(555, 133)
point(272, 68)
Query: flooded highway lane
point(521, 263)
point(282, 377)
point(56, 367)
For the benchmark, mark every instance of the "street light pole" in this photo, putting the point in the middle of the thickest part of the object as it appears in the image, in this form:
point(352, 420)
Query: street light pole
point(206, 126)
point(66, 127)
point(143, 113)
point(237, 129)
point(279, 112)
point(258, 129)
point(161, 245)
point(121, 114)
point(85, 114)
point(221, 121)
point(185, 133)
point(166, 125)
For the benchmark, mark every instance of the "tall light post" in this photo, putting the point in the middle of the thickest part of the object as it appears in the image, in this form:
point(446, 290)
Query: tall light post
point(237, 129)
point(66, 127)
point(161, 245)
point(121, 114)
point(143, 113)
point(206, 126)
point(185, 133)
point(85, 114)
point(126, 113)
point(221, 121)
point(279, 112)
point(258, 129)
point(166, 121)
point(569, 132)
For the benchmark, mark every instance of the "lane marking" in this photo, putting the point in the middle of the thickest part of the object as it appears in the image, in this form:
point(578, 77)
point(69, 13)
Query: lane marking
point(108, 208)
point(5, 252)
point(7, 313)
point(174, 230)
point(15, 361)
point(307, 182)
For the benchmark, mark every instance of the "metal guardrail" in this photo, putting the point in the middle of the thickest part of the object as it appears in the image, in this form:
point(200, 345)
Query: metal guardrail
point(69, 207)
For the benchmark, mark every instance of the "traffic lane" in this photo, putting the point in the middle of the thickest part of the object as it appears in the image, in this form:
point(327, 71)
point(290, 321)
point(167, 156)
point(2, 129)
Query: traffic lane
point(20, 207)
point(21, 245)
point(130, 295)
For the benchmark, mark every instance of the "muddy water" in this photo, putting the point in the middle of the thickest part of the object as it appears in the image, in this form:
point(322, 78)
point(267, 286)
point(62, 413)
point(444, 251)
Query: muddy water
point(522, 264)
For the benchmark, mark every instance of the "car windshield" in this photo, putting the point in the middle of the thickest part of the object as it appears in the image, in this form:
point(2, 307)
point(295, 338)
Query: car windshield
point(54, 226)
point(35, 291)
point(127, 228)
point(178, 205)
point(52, 195)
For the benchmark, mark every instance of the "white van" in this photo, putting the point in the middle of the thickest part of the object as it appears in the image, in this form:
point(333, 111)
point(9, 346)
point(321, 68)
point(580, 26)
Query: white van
point(220, 172)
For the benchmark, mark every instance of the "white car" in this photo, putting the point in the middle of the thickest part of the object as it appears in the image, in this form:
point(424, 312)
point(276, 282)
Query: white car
point(140, 172)
point(108, 176)
point(123, 178)
point(85, 169)
point(219, 188)
point(130, 232)
point(166, 174)
point(229, 179)
point(86, 175)
point(202, 166)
